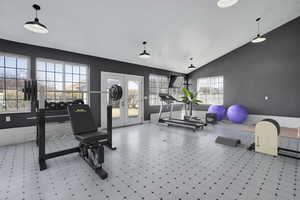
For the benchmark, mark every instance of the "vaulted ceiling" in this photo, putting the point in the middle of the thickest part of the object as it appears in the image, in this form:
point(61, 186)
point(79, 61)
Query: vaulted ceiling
point(175, 30)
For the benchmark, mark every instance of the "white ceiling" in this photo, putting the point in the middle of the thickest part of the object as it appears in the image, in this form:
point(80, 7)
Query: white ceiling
point(175, 29)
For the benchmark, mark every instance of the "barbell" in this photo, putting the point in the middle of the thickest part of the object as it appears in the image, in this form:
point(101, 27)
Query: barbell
point(30, 91)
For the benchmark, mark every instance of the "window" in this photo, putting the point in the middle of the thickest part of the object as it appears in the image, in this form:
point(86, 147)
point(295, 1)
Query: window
point(176, 91)
point(13, 70)
point(62, 81)
point(210, 90)
point(160, 84)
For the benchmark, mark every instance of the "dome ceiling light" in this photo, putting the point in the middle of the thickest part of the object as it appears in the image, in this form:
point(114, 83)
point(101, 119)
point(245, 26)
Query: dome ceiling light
point(226, 3)
point(35, 25)
point(144, 54)
point(258, 38)
point(191, 66)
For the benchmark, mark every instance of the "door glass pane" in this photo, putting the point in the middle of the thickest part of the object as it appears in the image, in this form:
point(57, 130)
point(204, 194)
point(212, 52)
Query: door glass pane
point(116, 111)
point(133, 98)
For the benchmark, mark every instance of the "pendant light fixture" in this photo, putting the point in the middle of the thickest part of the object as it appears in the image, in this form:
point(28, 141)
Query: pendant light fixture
point(36, 26)
point(258, 38)
point(191, 66)
point(226, 3)
point(144, 54)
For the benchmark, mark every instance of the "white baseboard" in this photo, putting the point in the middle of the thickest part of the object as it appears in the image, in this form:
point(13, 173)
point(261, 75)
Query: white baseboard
point(291, 122)
point(27, 134)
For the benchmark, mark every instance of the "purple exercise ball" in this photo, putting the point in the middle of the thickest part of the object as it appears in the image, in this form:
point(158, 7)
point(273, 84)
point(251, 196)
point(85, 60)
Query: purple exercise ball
point(219, 110)
point(237, 113)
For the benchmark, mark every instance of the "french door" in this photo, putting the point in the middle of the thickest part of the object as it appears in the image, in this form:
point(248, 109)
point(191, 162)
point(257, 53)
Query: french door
point(130, 108)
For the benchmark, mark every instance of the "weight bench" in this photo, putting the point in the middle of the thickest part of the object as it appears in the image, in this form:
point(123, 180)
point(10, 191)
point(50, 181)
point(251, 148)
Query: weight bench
point(91, 140)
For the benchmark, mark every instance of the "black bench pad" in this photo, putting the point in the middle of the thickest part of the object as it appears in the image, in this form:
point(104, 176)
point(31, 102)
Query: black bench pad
point(91, 137)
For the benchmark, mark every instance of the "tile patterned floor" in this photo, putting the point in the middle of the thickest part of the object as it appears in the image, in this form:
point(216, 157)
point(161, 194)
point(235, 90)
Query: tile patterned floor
point(153, 162)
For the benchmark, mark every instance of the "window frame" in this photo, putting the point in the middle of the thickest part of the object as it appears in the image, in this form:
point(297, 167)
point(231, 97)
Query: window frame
point(168, 90)
point(64, 64)
point(28, 69)
point(220, 101)
point(177, 91)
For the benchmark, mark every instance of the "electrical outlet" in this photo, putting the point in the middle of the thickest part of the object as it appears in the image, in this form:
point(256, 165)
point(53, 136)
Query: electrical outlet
point(266, 98)
point(7, 118)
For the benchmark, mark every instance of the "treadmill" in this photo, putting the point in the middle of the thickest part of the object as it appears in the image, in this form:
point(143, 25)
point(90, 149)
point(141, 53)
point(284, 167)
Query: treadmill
point(170, 100)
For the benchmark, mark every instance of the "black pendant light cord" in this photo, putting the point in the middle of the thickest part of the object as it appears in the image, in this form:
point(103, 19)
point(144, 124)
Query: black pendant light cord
point(36, 8)
point(258, 25)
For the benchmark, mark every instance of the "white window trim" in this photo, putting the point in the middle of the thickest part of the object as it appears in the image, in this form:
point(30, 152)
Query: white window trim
point(209, 77)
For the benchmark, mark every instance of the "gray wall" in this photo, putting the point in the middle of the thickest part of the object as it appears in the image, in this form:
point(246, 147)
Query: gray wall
point(271, 68)
point(96, 65)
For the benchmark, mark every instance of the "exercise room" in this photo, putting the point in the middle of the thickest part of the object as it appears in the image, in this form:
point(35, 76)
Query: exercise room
point(149, 100)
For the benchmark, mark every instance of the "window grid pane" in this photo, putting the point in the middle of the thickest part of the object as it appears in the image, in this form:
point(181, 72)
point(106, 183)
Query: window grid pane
point(62, 81)
point(210, 90)
point(13, 72)
point(160, 84)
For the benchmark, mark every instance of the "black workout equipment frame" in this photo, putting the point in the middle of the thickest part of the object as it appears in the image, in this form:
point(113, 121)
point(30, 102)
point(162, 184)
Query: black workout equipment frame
point(170, 100)
point(90, 150)
point(106, 139)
